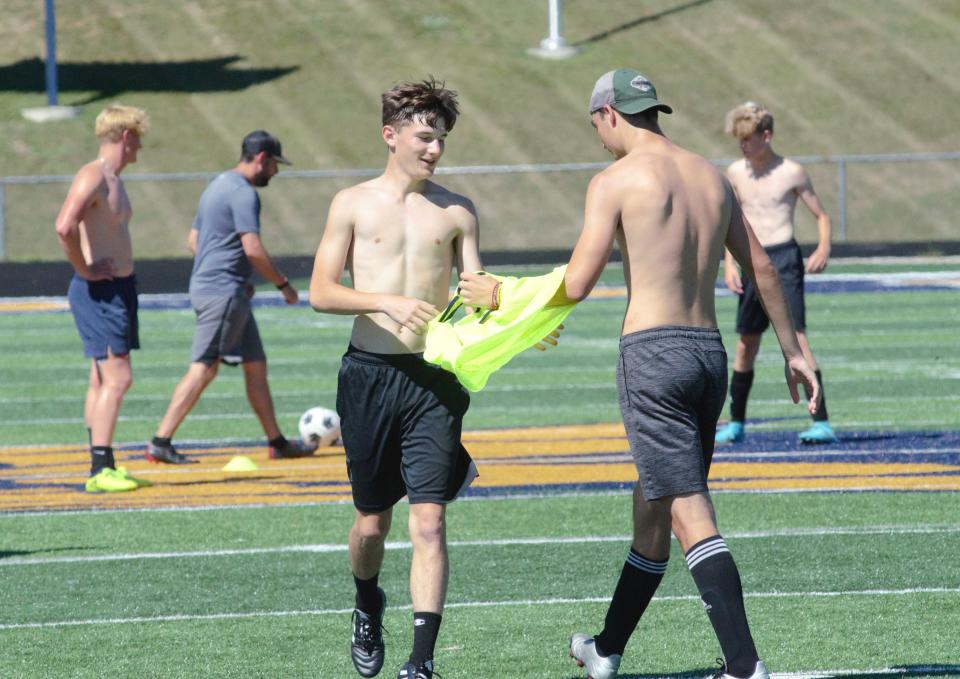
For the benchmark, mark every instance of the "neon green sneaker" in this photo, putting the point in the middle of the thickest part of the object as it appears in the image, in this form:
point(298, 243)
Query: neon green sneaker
point(110, 481)
point(141, 483)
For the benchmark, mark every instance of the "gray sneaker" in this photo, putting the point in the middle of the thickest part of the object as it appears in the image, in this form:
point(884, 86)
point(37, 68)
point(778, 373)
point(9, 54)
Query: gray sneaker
point(759, 672)
point(584, 651)
point(366, 644)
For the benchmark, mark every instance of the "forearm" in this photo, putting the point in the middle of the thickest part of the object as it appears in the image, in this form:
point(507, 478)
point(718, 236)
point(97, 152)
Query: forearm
point(825, 230)
point(264, 266)
point(335, 298)
point(70, 243)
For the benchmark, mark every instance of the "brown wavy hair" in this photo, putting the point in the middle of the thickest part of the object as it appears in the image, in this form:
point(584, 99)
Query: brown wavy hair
point(427, 100)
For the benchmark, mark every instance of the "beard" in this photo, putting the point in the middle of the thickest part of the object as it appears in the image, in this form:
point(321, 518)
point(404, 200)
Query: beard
point(261, 179)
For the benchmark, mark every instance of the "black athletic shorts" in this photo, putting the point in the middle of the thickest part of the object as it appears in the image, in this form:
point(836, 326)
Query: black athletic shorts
point(672, 382)
point(401, 420)
point(788, 260)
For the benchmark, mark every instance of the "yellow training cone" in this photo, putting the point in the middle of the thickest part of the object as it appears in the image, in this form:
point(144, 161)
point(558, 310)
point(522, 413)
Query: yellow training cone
point(240, 463)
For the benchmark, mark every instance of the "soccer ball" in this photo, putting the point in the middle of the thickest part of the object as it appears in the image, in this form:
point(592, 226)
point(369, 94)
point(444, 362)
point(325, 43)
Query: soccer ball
point(320, 426)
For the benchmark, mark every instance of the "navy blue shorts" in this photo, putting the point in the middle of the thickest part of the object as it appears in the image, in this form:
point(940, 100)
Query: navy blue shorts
point(400, 420)
point(106, 315)
point(788, 260)
point(672, 382)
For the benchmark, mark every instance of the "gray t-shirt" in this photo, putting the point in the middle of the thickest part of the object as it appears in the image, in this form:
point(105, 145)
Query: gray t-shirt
point(229, 207)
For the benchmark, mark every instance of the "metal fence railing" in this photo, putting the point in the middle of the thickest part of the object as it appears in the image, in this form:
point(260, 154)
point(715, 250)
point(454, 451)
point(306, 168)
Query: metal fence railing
point(841, 164)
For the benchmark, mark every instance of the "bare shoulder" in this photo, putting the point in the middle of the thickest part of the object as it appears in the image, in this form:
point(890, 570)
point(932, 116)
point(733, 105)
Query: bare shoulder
point(737, 168)
point(795, 171)
point(447, 199)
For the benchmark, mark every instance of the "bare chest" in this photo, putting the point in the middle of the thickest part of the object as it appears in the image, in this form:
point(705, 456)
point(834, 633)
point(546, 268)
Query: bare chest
point(419, 232)
point(112, 206)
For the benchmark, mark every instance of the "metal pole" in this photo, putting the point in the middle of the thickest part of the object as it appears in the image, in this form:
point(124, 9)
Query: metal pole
point(3, 222)
point(51, 65)
point(554, 46)
point(842, 200)
point(555, 23)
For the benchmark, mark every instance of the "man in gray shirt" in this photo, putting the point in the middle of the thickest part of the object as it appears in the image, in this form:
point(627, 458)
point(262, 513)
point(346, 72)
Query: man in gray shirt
point(225, 240)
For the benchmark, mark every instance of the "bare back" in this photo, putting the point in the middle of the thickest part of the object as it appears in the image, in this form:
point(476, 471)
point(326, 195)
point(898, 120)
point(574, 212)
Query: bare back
point(402, 246)
point(769, 197)
point(674, 213)
point(104, 226)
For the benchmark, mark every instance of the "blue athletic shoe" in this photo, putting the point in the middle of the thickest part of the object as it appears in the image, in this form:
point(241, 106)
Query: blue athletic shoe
point(731, 433)
point(819, 432)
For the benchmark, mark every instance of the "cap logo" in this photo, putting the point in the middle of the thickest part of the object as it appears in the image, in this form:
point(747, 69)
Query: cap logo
point(641, 83)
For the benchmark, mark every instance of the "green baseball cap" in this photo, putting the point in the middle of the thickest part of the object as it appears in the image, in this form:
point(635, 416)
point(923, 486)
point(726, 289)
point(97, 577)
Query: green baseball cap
point(627, 91)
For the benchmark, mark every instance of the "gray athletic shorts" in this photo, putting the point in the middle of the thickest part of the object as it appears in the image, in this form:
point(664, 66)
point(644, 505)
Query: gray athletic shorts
point(673, 383)
point(226, 331)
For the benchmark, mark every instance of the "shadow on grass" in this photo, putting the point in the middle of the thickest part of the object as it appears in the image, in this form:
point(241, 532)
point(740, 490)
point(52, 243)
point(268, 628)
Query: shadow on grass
point(109, 79)
point(6, 554)
point(647, 18)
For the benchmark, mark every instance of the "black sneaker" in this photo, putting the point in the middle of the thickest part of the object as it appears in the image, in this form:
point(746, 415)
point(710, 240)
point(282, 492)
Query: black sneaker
point(167, 455)
point(366, 643)
point(411, 671)
point(294, 448)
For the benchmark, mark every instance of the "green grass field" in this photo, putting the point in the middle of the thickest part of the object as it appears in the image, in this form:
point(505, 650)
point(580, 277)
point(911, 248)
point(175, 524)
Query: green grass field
point(842, 77)
point(862, 584)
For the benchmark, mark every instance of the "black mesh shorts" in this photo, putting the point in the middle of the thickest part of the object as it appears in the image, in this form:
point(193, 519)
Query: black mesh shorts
point(672, 382)
point(788, 260)
point(401, 420)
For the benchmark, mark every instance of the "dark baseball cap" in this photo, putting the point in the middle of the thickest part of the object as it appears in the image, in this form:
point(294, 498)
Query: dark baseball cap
point(261, 140)
point(627, 91)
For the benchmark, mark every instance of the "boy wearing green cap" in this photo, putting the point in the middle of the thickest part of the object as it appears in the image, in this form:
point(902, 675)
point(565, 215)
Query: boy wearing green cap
point(672, 214)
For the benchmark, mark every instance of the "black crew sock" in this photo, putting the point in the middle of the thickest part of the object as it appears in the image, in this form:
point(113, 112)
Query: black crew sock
point(161, 442)
point(639, 579)
point(368, 599)
point(821, 414)
point(101, 457)
point(426, 627)
point(718, 580)
point(279, 443)
point(740, 385)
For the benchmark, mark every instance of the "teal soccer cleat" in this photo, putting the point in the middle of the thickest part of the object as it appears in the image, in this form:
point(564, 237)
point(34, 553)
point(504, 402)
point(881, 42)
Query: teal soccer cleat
point(819, 432)
point(731, 433)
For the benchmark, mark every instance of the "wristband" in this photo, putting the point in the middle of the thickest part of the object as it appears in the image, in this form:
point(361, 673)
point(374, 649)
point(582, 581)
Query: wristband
point(285, 284)
point(495, 297)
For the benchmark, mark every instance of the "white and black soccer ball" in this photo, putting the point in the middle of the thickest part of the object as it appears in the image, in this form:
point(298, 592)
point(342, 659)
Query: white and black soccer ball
point(320, 426)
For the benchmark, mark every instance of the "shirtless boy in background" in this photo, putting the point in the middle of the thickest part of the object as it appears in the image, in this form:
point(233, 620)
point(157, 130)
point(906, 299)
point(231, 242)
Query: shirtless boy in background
point(93, 229)
point(768, 186)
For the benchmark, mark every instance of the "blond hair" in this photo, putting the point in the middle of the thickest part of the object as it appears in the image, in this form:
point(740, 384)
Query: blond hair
point(114, 119)
point(748, 118)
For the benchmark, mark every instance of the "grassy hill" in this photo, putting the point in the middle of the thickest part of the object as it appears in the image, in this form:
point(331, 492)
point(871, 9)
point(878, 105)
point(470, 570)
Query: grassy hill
point(842, 77)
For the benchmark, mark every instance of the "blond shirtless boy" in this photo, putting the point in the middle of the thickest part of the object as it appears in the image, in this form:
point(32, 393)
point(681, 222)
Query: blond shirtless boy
point(399, 235)
point(768, 186)
point(672, 214)
point(93, 229)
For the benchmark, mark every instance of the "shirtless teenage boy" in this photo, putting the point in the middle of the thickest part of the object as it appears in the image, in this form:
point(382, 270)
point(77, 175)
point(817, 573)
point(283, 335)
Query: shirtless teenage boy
point(768, 186)
point(93, 230)
point(399, 235)
point(672, 214)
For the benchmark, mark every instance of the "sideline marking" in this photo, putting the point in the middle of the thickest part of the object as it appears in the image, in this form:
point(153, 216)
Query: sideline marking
point(330, 548)
point(545, 461)
point(470, 604)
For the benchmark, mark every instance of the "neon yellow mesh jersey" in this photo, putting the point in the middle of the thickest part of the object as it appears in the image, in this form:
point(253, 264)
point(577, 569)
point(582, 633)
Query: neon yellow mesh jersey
point(478, 345)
